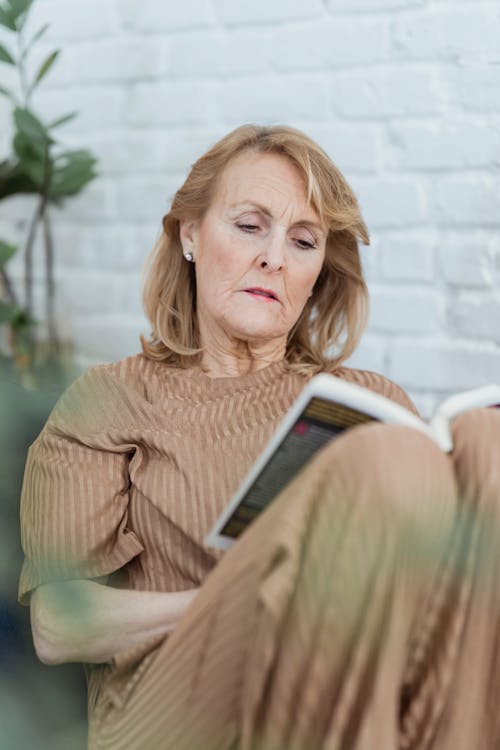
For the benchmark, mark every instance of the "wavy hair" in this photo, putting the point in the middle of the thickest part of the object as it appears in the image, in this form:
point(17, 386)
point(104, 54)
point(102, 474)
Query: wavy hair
point(332, 321)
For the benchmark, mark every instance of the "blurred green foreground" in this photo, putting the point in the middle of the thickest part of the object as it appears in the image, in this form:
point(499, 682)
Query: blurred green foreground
point(41, 708)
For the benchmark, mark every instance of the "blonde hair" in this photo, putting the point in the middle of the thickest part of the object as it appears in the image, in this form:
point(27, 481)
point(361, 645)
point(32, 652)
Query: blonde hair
point(332, 321)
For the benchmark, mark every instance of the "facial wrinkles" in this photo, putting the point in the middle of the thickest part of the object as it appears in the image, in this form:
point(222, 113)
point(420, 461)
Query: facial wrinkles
point(275, 196)
point(265, 191)
point(285, 212)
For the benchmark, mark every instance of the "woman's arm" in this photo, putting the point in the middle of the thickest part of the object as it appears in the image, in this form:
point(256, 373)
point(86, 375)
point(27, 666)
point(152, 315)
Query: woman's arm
point(84, 621)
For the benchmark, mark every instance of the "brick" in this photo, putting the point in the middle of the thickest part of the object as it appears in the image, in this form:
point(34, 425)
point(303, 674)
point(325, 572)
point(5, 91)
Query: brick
point(177, 103)
point(128, 294)
point(477, 316)
point(352, 148)
point(146, 198)
point(467, 200)
point(63, 313)
point(370, 259)
point(107, 338)
point(405, 310)
point(370, 354)
point(234, 12)
point(444, 145)
point(390, 202)
point(468, 259)
point(89, 292)
point(18, 209)
point(450, 33)
point(474, 88)
point(352, 6)
point(88, 18)
point(98, 108)
point(122, 247)
point(111, 60)
point(92, 292)
point(129, 152)
point(8, 230)
point(183, 146)
point(330, 43)
point(274, 99)
point(446, 366)
point(407, 256)
point(222, 54)
point(96, 202)
point(385, 92)
point(158, 16)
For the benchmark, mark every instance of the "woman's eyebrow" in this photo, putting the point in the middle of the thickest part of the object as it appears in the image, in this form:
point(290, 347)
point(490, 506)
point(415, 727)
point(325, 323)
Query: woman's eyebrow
point(251, 204)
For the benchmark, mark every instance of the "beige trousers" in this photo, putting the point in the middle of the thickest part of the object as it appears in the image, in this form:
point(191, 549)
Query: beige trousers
point(361, 611)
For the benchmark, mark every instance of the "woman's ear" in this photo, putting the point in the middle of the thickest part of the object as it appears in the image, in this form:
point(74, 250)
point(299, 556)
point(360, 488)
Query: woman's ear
point(188, 232)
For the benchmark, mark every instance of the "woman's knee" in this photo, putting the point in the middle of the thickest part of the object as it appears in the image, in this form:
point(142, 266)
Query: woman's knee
point(398, 468)
point(384, 500)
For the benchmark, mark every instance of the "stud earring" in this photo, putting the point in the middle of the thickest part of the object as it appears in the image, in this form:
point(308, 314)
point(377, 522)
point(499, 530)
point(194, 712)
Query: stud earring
point(189, 257)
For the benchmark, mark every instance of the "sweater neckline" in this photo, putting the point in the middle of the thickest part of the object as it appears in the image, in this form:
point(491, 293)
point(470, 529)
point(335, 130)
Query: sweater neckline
point(231, 384)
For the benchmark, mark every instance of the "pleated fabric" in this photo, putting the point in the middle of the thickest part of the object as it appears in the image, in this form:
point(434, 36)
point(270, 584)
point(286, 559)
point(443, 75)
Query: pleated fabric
point(360, 611)
point(339, 620)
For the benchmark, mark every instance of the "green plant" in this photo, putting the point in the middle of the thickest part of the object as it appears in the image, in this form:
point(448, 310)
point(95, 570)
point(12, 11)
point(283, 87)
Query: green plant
point(40, 166)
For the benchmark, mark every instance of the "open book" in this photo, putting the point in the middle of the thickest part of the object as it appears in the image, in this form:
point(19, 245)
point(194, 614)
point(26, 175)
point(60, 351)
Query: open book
point(326, 407)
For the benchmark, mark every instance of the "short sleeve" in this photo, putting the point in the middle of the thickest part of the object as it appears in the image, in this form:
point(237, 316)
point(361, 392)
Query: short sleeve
point(74, 503)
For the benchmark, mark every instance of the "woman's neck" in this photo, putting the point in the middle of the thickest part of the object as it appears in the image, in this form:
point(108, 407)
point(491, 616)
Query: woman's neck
point(219, 363)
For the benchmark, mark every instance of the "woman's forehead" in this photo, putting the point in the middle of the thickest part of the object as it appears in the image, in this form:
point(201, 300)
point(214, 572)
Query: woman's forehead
point(265, 180)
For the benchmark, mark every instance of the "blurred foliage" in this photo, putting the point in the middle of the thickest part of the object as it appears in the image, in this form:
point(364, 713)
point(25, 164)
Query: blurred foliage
point(40, 707)
point(39, 166)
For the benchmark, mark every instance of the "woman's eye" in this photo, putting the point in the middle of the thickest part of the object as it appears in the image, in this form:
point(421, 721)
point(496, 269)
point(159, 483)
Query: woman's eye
point(306, 244)
point(248, 227)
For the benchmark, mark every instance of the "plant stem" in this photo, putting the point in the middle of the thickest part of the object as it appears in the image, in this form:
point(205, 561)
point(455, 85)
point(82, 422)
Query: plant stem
point(8, 286)
point(50, 285)
point(28, 256)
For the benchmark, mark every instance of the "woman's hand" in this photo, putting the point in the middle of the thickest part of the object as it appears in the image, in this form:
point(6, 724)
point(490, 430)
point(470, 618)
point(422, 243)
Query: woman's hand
point(84, 621)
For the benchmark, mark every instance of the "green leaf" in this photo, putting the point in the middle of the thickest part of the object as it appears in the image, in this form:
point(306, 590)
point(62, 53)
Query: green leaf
point(18, 7)
point(14, 181)
point(6, 92)
point(41, 31)
point(7, 19)
point(33, 159)
point(28, 124)
point(8, 312)
point(6, 252)
point(62, 120)
point(19, 10)
point(5, 56)
point(45, 67)
point(72, 171)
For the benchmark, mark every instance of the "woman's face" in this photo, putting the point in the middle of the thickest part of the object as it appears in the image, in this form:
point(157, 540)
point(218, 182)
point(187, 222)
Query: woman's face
point(258, 252)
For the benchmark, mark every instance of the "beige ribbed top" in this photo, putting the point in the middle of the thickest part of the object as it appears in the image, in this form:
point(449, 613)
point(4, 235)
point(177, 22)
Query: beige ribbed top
point(136, 462)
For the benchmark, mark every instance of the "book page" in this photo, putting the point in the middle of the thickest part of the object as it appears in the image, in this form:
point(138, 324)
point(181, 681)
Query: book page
point(321, 421)
point(485, 396)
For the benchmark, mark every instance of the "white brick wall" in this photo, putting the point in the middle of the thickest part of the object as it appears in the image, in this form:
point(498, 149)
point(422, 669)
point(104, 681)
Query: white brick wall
point(403, 94)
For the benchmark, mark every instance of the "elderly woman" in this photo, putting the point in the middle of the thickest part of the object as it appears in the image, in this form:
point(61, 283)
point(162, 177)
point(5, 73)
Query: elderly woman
point(356, 612)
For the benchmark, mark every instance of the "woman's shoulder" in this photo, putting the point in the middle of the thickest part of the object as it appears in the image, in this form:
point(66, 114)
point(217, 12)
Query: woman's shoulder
point(136, 373)
point(109, 394)
point(377, 383)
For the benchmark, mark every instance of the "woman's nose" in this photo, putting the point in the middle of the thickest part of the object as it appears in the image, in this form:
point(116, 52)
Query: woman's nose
point(273, 256)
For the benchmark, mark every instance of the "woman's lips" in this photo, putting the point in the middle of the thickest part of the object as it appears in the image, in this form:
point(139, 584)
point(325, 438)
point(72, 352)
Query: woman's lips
point(267, 295)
